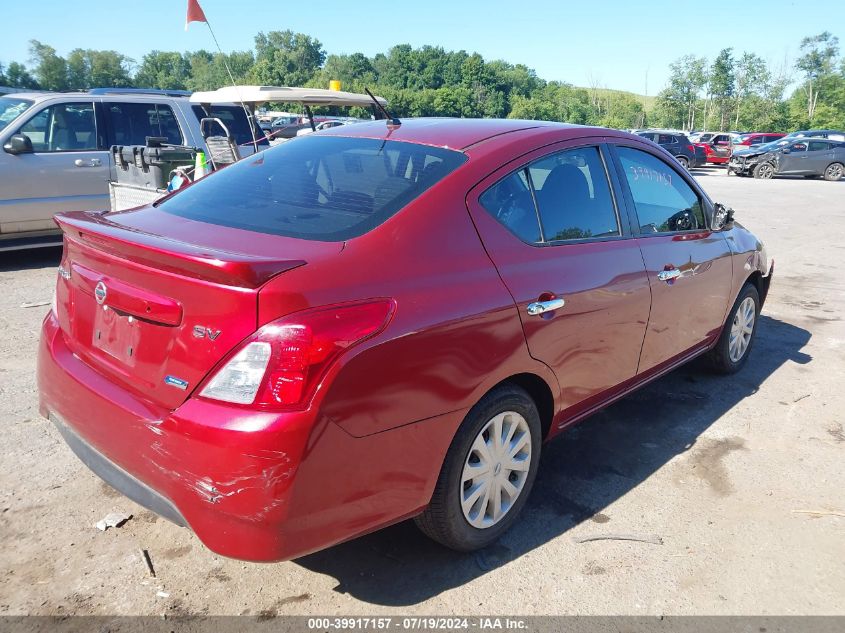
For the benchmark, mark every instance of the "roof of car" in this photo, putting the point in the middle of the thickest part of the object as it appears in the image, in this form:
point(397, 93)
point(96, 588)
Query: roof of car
point(443, 132)
point(115, 96)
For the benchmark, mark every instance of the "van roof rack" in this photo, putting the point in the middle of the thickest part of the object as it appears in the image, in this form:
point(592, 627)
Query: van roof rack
point(139, 91)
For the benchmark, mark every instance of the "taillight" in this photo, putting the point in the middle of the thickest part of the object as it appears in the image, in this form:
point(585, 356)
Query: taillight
point(691, 148)
point(280, 366)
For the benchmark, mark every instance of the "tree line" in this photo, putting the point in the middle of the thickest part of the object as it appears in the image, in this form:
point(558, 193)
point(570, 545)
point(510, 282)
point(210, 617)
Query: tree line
point(733, 91)
point(741, 91)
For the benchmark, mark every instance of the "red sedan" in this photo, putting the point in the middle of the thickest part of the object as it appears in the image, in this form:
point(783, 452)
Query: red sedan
point(377, 322)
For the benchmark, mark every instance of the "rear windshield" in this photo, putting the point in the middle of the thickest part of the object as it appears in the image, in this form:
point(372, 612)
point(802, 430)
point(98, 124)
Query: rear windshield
point(235, 119)
point(324, 188)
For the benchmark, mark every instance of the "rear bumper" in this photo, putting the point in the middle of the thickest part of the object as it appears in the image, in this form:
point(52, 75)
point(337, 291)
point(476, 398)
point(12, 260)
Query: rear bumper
point(252, 485)
point(118, 478)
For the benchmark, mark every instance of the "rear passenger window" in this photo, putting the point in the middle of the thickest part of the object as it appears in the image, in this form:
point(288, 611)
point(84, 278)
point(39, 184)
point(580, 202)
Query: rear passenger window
point(664, 202)
point(573, 196)
point(133, 123)
point(511, 203)
point(665, 139)
point(818, 146)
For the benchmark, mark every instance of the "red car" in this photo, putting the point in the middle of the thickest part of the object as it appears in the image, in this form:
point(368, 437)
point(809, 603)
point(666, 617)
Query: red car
point(718, 149)
point(756, 138)
point(379, 322)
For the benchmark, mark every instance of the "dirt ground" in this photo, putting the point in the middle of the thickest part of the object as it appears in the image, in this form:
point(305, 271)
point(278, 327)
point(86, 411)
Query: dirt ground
point(734, 474)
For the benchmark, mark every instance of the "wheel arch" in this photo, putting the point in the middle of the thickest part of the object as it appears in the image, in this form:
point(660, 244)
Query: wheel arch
point(539, 391)
point(761, 283)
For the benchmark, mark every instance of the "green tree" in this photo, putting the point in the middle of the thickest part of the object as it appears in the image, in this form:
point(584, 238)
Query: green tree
point(722, 84)
point(166, 70)
point(285, 58)
point(816, 62)
point(92, 68)
point(50, 69)
point(16, 75)
point(677, 103)
point(751, 79)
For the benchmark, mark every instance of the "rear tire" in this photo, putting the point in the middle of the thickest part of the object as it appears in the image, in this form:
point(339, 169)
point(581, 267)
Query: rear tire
point(684, 161)
point(463, 511)
point(734, 345)
point(764, 171)
point(834, 172)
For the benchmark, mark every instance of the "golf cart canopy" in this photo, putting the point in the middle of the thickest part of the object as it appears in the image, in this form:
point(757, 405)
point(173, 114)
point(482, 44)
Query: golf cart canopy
point(256, 95)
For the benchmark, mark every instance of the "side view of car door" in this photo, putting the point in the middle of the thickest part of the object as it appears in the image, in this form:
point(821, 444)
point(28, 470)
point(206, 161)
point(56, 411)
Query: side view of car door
point(819, 156)
point(63, 167)
point(562, 244)
point(792, 158)
point(689, 266)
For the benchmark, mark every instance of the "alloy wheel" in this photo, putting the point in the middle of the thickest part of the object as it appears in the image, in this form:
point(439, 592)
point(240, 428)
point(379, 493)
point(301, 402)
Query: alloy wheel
point(766, 171)
point(834, 172)
point(742, 329)
point(496, 469)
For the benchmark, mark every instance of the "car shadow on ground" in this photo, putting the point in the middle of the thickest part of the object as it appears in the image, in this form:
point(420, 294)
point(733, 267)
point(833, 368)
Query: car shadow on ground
point(30, 259)
point(581, 473)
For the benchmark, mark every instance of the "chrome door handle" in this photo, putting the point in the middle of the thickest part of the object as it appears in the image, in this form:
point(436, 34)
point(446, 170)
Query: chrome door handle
point(539, 307)
point(668, 275)
point(94, 162)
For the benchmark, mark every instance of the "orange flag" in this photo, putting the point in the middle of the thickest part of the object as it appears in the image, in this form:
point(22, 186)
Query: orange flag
point(195, 13)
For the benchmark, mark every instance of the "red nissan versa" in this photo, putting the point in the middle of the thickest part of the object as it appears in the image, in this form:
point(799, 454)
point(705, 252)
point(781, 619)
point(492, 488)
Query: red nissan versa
point(376, 322)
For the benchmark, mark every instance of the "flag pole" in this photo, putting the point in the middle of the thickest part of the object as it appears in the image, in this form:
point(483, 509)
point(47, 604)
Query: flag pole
point(250, 120)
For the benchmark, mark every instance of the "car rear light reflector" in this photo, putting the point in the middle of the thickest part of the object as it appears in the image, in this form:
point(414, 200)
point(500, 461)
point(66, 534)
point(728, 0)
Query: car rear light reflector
point(239, 379)
point(281, 365)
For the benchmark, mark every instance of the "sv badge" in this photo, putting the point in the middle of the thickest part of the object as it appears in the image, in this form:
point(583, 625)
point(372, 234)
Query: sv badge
point(206, 332)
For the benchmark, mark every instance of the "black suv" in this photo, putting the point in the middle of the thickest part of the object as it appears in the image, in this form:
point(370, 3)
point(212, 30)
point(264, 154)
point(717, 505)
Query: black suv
point(678, 145)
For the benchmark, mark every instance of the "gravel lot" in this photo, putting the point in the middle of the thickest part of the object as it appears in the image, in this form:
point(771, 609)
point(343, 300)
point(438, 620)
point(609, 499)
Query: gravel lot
point(724, 470)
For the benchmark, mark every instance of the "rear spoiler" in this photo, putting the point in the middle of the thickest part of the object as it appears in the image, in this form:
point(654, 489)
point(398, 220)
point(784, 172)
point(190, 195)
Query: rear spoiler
point(190, 260)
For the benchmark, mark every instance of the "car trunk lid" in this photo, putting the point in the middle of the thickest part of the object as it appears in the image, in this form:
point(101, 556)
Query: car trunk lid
point(155, 314)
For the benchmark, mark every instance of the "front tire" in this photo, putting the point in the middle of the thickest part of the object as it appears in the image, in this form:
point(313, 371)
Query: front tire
point(764, 171)
point(834, 172)
point(488, 472)
point(734, 345)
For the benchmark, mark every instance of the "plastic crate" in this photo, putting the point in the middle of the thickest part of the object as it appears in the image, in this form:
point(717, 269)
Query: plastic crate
point(125, 196)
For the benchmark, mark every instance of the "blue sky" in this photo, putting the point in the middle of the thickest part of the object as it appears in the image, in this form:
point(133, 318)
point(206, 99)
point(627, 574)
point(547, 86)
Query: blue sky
point(612, 43)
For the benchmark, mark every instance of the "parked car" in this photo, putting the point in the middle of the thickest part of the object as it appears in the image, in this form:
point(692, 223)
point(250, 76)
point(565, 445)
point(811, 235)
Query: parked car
point(288, 127)
point(325, 125)
point(56, 150)
point(833, 135)
point(755, 138)
point(702, 137)
point(809, 157)
point(384, 321)
point(676, 144)
point(717, 148)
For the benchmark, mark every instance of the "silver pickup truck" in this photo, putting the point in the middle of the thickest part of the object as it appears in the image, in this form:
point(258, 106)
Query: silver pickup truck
point(56, 150)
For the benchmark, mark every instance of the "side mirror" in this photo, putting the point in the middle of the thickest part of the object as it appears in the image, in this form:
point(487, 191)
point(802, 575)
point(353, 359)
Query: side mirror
point(785, 150)
point(18, 144)
point(723, 217)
